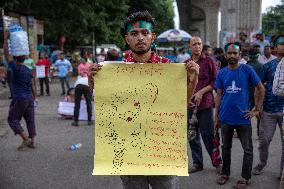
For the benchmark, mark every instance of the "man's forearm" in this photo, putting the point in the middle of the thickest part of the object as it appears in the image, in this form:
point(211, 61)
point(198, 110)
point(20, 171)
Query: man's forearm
point(193, 79)
point(206, 89)
point(217, 104)
point(258, 97)
point(33, 89)
point(6, 50)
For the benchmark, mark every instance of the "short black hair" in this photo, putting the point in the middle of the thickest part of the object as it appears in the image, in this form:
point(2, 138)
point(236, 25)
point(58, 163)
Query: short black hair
point(218, 51)
point(205, 47)
point(137, 16)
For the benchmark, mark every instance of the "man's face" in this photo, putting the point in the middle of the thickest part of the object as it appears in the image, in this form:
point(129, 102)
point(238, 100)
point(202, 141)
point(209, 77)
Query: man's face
point(62, 56)
point(41, 55)
point(243, 37)
point(209, 52)
point(232, 55)
point(267, 51)
point(196, 45)
point(280, 49)
point(261, 37)
point(140, 40)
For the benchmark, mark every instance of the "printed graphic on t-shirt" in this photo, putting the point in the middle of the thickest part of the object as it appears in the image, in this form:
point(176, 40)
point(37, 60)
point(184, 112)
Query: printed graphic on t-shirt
point(233, 88)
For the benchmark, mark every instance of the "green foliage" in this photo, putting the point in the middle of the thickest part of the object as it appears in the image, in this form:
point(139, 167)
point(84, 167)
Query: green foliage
point(77, 20)
point(273, 20)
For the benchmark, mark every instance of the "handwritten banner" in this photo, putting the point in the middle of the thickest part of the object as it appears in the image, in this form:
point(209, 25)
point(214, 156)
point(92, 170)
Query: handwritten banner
point(40, 72)
point(140, 124)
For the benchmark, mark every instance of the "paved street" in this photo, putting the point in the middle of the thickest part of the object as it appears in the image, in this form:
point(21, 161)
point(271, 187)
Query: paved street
point(52, 166)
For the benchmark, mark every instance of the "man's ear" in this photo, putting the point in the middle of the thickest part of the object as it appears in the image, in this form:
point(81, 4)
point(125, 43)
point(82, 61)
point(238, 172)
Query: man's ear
point(126, 39)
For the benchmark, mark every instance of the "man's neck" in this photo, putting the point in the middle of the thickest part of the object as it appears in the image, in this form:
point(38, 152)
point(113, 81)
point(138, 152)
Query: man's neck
point(142, 58)
point(268, 56)
point(196, 57)
point(233, 66)
point(280, 56)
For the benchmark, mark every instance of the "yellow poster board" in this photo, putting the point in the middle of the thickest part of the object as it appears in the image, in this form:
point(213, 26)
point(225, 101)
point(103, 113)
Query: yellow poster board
point(140, 120)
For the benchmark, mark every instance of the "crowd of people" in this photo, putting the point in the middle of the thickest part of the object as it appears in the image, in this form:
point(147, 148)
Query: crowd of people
point(236, 80)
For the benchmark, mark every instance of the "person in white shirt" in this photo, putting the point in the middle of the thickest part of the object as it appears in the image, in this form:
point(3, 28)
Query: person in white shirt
point(267, 57)
point(261, 42)
point(183, 56)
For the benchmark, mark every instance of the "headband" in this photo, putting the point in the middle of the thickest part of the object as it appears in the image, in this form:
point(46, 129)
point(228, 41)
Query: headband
point(279, 41)
point(140, 24)
point(232, 46)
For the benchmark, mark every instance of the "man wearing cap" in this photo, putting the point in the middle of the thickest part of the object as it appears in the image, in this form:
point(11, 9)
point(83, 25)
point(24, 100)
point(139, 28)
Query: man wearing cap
point(272, 111)
point(233, 111)
point(139, 34)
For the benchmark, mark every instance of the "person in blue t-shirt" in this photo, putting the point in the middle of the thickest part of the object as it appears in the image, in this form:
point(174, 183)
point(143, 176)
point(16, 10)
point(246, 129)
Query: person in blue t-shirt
point(233, 111)
point(23, 94)
point(272, 114)
point(64, 66)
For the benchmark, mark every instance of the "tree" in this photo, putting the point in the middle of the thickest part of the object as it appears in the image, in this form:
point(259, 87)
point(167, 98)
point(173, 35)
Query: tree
point(273, 20)
point(77, 20)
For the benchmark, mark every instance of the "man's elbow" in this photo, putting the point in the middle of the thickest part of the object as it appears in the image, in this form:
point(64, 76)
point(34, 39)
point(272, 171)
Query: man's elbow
point(261, 89)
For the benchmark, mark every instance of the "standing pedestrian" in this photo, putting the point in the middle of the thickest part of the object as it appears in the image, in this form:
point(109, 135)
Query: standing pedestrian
point(203, 99)
point(261, 41)
point(43, 61)
point(272, 111)
point(22, 104)
point(64, 66)
point(139, 34)
point(267, 56)
point(258, 68)
point(233, 111)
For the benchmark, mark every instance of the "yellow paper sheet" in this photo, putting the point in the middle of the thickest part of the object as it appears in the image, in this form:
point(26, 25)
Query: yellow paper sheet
point(140, 123)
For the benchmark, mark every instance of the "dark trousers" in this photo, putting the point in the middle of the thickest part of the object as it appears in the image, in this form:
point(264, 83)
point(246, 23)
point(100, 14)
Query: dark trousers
point(205, 127)
point(46, 81)
point(245, 136)
point(143, 182)
point(19, 109)
point(62, 81)
point(79, 91)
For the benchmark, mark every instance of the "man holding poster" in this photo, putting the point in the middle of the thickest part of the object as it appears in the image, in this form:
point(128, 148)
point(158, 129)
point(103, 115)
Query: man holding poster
point(139, 35)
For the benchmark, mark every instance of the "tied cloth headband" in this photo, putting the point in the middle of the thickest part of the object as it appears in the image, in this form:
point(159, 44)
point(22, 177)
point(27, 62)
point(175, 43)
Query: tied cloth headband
point(280, 41)
point(233, 46)
point(140, 24)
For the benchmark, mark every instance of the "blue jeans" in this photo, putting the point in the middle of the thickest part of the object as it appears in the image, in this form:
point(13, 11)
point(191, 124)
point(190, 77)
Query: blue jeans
point(205, 127)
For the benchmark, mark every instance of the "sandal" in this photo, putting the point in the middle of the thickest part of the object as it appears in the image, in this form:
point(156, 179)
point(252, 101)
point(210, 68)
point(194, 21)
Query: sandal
point(25, 144)
point(195, 168)
point(242, 184)
point(222, 179)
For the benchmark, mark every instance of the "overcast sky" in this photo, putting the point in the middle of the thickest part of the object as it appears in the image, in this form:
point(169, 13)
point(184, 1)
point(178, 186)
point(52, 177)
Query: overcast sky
point(268, 3)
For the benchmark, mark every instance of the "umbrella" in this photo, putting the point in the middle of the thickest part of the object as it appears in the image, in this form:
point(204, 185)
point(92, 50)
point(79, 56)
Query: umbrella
point(216, 156)
point(174, 35)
